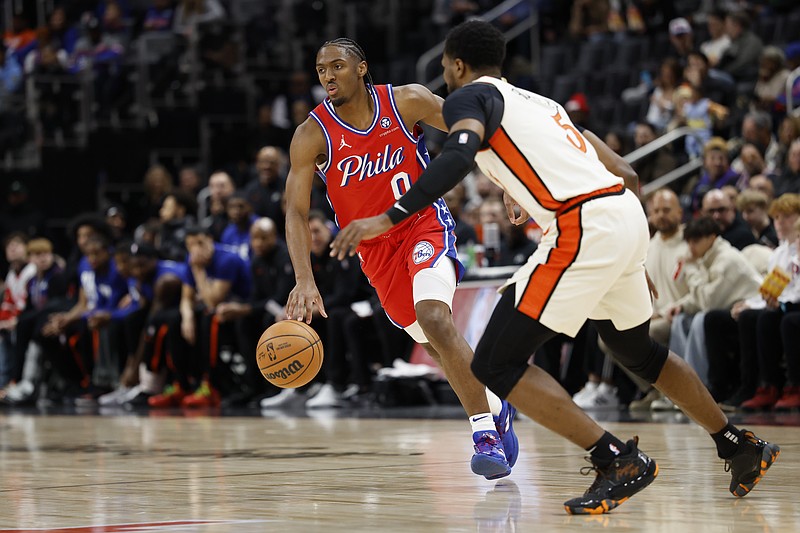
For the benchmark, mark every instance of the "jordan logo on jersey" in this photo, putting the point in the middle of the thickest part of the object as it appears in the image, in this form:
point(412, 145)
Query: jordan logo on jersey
point(364, 167)
point(343, 143)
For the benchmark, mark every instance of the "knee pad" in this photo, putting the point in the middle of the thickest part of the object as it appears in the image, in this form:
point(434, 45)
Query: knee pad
point(634, 349)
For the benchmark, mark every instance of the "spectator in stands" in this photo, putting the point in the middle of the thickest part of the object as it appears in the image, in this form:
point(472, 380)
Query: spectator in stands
point(718, 40)
point(681, 37)
point(158, 284)
point(158, 16)
point(102, 52)
point(715, 84)
point(717, 276)
point(662, 101)
point(19, 213)
point(772, 75)
point(266, 133)
point(341, 284)
point(763, 184)
point(236, 234)
point(39, 60)
point(664, 255)
point(10, 77)
point(69, 339)
point(213, 275)
point(114, 23)
point(189, 180)
point(760, 317)
point(176, 214)
point(757, 130)
point(117, 220)
point(655, 164)
point(18, 36)
point(589, 19)
point(788, 131)
point(220, 188)
point(63, 35)
point(789, 180)
point(740, 59)
point(695, 110)
point(46, 290)
point(14, 297)
point(752, 163)
point(273, 278)
point(716, 171)
point(792, 53)
point(753, 204)
point(720, 207)
point(577, 107)
point(265, 190)
point(157, 183)
point(617, 141)
point(299, 88)
point(192, 13)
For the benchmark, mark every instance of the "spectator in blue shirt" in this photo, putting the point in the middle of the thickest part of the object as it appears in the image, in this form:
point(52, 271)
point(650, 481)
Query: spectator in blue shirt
point(213, 275)
point(237, 233)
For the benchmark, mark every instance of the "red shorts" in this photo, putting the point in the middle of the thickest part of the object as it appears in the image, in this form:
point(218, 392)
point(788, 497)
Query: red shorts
point(391, 260)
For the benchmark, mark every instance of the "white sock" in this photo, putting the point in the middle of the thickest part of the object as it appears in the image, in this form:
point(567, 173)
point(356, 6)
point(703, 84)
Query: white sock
point(482, 422)
point(495, 403)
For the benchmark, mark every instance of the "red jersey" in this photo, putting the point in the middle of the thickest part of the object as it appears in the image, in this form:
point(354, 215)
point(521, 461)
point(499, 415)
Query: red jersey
point(368, 170)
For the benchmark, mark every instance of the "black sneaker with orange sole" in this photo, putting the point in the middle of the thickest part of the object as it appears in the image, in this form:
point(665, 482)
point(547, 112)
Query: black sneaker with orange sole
point(750, 462)
point(616, 483)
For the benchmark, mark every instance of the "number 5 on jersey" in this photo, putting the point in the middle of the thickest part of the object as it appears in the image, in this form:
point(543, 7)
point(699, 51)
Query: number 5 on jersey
point(573, 135)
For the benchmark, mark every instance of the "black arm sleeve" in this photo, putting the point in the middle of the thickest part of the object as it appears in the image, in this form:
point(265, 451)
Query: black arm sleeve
point(480, 101)
point(444, 173)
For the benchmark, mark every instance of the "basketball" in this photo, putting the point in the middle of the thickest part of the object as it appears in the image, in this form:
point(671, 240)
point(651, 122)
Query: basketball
point(289, 354)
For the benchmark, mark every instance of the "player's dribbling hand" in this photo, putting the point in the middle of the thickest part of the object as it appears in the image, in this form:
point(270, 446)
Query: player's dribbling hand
point(511, 206)
point(302, 300)
point(358, 230)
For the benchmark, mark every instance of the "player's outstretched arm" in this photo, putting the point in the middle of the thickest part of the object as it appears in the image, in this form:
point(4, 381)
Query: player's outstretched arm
point(307, 143)
point(614, 162)
point(444, 172)
point(417, 103)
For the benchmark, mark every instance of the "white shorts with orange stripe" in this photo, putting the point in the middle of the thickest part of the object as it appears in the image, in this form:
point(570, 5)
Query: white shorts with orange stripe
point(590, 264)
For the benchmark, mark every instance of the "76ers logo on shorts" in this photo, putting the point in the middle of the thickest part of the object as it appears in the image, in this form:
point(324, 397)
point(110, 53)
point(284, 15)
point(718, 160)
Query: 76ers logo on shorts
point(422, 252)
point(385, 123)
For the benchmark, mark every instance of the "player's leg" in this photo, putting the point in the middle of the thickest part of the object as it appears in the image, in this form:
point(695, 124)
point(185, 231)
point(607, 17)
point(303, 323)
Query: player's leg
point(747, 456)
point(491, 419)
point(501, 362)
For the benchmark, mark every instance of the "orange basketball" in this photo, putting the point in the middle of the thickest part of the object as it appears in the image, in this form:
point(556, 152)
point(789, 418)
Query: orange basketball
point(289, 354)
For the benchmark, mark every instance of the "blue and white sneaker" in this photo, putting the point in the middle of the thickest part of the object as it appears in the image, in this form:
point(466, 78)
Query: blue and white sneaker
point(489, 460)
point(504, 423)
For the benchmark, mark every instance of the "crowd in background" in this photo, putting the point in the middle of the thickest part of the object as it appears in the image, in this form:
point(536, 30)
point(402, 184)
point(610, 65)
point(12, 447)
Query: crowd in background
point(159, 300)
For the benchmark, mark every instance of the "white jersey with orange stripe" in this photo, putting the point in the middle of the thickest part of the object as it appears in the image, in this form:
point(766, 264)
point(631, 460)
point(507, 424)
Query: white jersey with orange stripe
point(538, 155)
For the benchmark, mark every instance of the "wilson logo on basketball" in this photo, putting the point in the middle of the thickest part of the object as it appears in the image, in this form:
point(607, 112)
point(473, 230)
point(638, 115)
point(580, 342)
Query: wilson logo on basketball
point(292, 368)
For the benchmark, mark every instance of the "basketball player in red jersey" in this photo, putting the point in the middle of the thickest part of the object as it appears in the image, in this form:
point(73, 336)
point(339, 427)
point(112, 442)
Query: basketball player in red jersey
point(365, 142)
point(589, 265)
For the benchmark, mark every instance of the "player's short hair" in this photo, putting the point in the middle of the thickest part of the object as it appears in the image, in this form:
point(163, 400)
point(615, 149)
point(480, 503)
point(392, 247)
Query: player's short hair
point(700, 227)
point(354, 49)
point(477, 43)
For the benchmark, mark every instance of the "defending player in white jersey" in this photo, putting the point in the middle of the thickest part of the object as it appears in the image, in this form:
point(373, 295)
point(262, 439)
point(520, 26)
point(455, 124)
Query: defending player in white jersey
point(589, 265)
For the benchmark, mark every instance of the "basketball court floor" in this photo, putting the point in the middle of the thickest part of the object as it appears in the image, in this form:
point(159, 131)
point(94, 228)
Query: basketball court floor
point(360, 470)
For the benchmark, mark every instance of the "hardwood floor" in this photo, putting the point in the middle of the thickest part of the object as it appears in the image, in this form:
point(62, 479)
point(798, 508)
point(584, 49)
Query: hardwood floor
point(286, 473)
